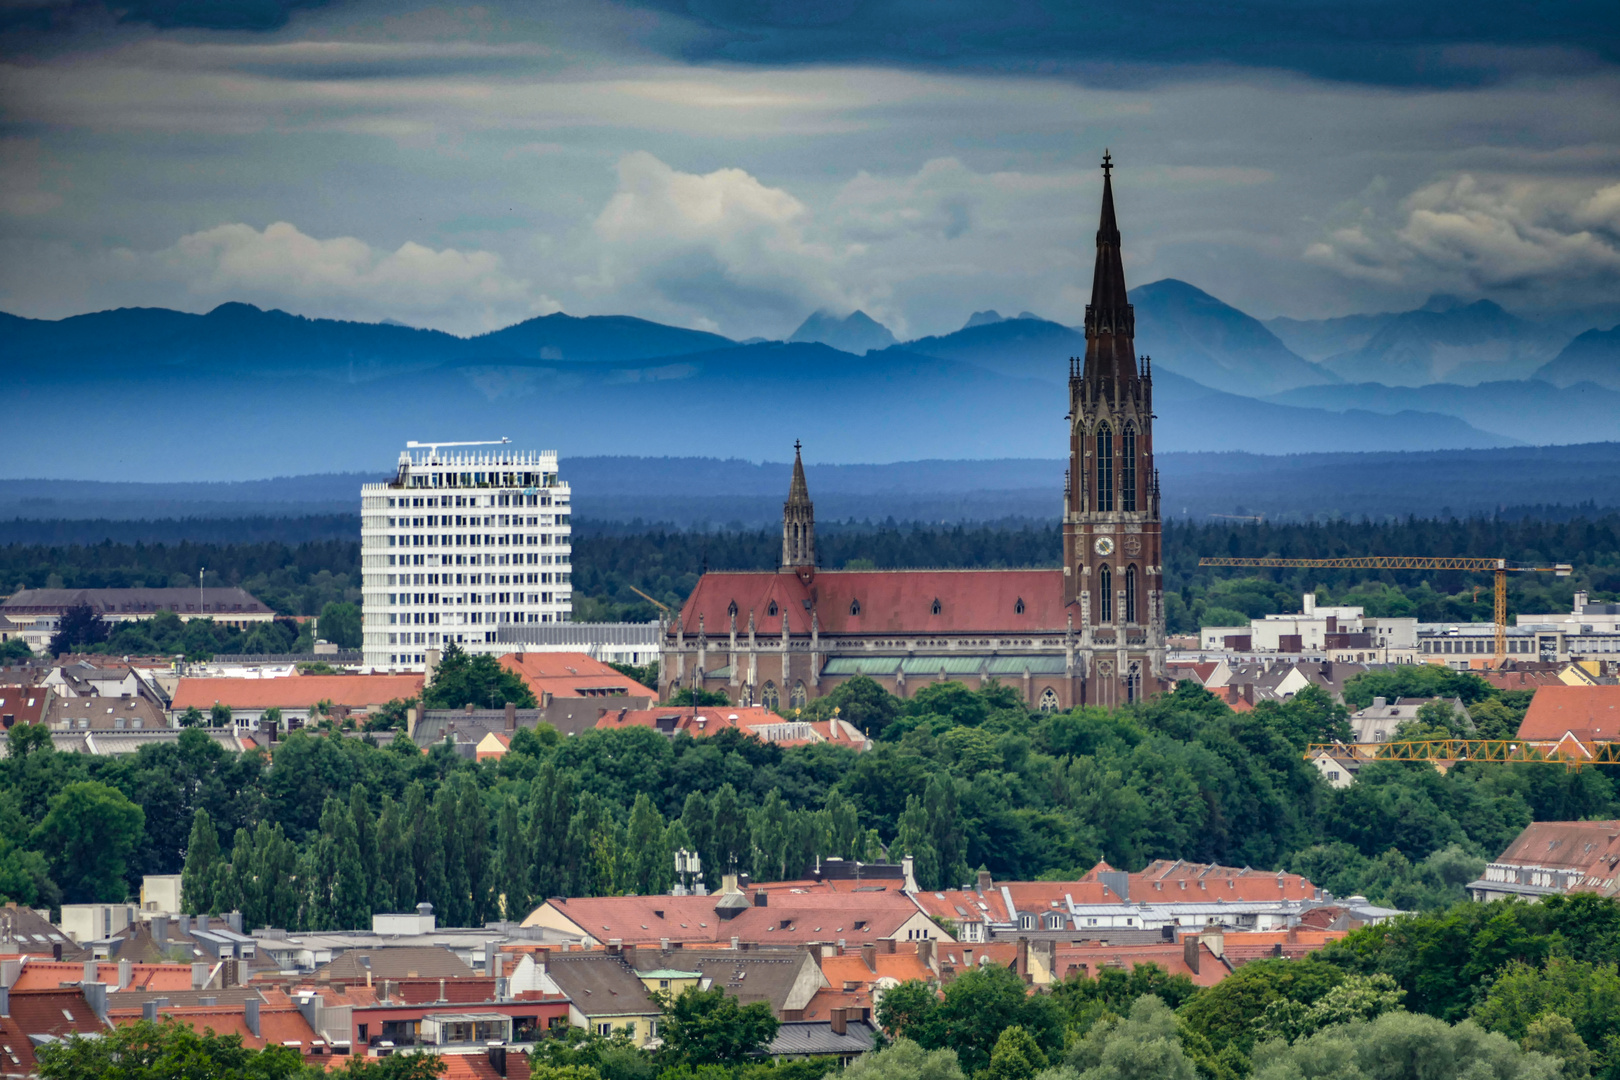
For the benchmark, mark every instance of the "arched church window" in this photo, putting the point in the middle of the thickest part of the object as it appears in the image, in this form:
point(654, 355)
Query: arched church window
point(1049, 700)
point(1105, 594)
point(1105, 468)
point(854, 607)
point(1127, 469)
point(1130, 593)
point(772, 609)
point(769, 697)
point(936, 605)
point(798, 697)
point(1018, 608)
point(1133, 683)
point(732, 610)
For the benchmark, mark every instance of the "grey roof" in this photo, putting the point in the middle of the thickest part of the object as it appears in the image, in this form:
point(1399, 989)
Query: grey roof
point(343, 656)
point(580, 634)
point(468, 726)
point(128, 741)
point(765, 975)
point(817, 1037)
point(110, 713)
point(180, 999)
point(397, 962)
point(601, 985)
point(24, 927)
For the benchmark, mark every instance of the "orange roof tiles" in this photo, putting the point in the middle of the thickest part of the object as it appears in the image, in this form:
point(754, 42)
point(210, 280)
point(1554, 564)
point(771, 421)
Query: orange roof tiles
point(1172, 957)
point(1590, 713)
point(50, 974)
point(1591, 849)
point(296, 691)
point(878, 602)
point(572, 675)
point(814, 915)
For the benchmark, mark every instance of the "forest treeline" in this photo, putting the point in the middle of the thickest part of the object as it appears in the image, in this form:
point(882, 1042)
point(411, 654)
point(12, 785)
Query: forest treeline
point(301, 579)
point(344, 826)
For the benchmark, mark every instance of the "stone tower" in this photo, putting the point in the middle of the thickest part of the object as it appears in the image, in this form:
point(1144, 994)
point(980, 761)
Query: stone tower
point(798, 523)
point(1112, 571)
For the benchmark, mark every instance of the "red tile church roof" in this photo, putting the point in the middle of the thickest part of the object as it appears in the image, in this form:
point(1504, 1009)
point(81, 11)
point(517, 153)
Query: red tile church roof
point(880, 602)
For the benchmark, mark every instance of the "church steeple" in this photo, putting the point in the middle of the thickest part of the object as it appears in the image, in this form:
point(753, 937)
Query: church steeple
point(798, 522)
point(1110, 320)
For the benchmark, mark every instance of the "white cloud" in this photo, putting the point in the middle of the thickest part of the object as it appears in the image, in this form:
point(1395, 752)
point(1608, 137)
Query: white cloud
point(1481, 232)
point(346, 277)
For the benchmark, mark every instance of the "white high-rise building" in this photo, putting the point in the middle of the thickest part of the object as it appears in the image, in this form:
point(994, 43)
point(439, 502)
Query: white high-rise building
point(468, 538)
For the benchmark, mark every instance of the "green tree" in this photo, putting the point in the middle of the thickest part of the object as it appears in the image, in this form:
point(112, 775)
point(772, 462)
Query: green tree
point(1586, 995)
point(1228, 1013)
point(1359, 997)
point(202, 862)
point(512, 876)
point(1556, 1037)
point(193, 717)
point(710, 1027)
point(145, 1050)
point(394, 888)
point(1016, 1056)
point(697, 697)
point(340, 624)
point(337, 894)
point(1145, 1045)
point(219, 715)
point(78, 627)
point(463, 679)
point(14, 649)
point(652, 860)
point(904, 1059)
point(1085, 1000)
point(1398, 1045)
point(88, 836)
point(977, 1007)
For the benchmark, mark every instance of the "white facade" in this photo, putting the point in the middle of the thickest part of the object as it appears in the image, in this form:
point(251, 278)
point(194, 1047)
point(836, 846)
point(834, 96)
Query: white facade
point(462, 543)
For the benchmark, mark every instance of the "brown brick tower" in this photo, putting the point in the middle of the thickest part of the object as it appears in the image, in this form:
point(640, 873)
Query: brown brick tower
point(1112, 572)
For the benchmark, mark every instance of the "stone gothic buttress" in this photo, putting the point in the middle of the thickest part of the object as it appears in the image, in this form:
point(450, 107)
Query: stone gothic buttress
point(1112, 572)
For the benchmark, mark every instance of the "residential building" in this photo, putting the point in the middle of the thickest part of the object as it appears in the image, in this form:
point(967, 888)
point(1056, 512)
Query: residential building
point(116, 742)
point(1587, 713)
point(228, 606)
point(1378, 721)
point(841, 1037)
point(1338, 765)
point(1591, 631)
point(619, 643)
point(23, 705)
point(460, 543)
point(1090, 632)
point(763, 724)
point(1334, 633)
point(25, 932)
point(82, 678)
point(1554, 857)
point(104, 714)
point(161, 894)
point(573, 674)
point(296, 696)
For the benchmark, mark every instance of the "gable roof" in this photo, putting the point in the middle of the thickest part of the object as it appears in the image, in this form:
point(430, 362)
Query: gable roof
point(601, 984)
point(109, 713)
point(878, 602)
point(790, 917)
point(749, 975)
point(1586, 852)
point(572, 674)
point(296, 691)
point(26, 934)
point(23, 704)
point(1591, 713)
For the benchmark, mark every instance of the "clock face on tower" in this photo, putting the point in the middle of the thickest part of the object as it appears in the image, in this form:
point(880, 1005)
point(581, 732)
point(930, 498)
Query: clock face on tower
point(1104, 545)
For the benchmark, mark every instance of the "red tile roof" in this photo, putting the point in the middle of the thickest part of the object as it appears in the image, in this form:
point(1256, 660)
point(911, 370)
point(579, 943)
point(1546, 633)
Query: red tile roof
point(276, 1026)
point(1589, 848)
point(572, 675)
point(1590, 713)
point(41, 1012)
point(889, 602)
point(51, 974)
point(1091, 958)
point(23, 704)
point(296, 691)
point(692, 720)
point(821, 915)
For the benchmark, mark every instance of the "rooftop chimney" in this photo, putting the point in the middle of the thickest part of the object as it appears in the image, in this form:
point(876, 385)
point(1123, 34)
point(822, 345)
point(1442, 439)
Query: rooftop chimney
point(126, 969)
point(984, 879)
point(199, 975)
point(760, 898)
point(250, 1015)
point(869, 957)
point(838, 1026)
point(511, 717)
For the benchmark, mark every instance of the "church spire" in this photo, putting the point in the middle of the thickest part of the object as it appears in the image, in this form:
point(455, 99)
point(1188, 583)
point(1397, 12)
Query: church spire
point(798, 521)
point(1110, 320)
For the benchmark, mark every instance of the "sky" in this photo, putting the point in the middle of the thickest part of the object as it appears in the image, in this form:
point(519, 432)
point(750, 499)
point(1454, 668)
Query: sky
point(734, 165)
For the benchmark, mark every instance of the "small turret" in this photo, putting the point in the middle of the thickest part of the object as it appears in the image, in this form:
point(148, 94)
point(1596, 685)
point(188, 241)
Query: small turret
point(798, 522)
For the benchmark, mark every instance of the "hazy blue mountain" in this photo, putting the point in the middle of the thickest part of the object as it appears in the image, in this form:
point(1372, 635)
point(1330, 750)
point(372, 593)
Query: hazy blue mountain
point(231, 338)
point(1528, 411)
point(1190, 332)
point(600, 338)
point(855, 333)
point(1448, 340)
point(983, 318)
point(1021, 348)
point(1593, 357)
point(1318, 339)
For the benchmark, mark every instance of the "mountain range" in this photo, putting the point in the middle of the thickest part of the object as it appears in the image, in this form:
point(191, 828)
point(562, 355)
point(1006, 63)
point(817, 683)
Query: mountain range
point(241, 391)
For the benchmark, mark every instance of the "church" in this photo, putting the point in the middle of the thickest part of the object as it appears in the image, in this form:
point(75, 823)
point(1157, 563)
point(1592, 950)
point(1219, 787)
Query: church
point(1088, 633)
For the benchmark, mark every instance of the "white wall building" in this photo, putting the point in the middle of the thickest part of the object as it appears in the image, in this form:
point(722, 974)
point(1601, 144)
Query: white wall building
point(466, 539)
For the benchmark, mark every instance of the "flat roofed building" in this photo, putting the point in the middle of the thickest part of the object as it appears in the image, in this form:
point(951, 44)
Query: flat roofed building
point(459, 545)
point(1551, 857)
point(227, 605)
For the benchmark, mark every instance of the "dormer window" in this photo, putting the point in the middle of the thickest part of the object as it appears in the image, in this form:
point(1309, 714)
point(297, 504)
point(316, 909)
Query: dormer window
point(1018, 608)
point(772, 609)
point(732, 609)
point(936, 606)
point(854, 607)
point(1026, 922)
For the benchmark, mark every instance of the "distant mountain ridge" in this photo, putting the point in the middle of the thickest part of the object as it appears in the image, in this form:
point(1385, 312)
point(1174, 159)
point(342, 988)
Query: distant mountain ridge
point(856, 333)
point(1593, 357)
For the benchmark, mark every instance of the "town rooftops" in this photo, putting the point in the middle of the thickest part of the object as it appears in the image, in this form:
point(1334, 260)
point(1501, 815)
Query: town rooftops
point(1590, 713)
point(805, 913)
point(109, 713)
point(24, 933)
point(22, 704)
point(296, 691)
point(570, 674)
point(396, 962)
point(1556, 857)
point(762, 723)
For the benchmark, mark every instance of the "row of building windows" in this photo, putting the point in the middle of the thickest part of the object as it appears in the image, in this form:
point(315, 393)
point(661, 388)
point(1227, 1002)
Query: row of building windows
point(493, 521)
point(1105, 593)
point(1127, 469)
point(561, 577)
point(447, 502)
point(476, 540)
point(514, 559)
point(451, 599)
point(481, 479)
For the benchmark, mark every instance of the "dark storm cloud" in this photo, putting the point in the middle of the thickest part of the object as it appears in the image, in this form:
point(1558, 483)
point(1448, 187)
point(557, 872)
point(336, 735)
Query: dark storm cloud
point(164, 14)
point(1393, 42)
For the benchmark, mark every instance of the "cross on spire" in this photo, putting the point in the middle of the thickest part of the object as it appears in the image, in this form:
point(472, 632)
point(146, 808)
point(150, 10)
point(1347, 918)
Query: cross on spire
point(1107, 164)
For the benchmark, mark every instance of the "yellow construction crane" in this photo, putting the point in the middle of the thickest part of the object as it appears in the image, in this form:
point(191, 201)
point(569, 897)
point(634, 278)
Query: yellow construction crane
point(665, 608)
point(1502, 568)
point(1452, 750)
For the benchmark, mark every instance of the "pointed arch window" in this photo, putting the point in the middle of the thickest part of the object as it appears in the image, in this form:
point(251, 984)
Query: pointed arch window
point(1018, 608)
point(936, 606)
point(772, 609)
point(732, 609)
point(1049, 700)
point(1105, 468)
point(1130, 593)
point(798, 697)
point(1127, 469)
point(770, 699)
point(854, 607)
point(1105, 594)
